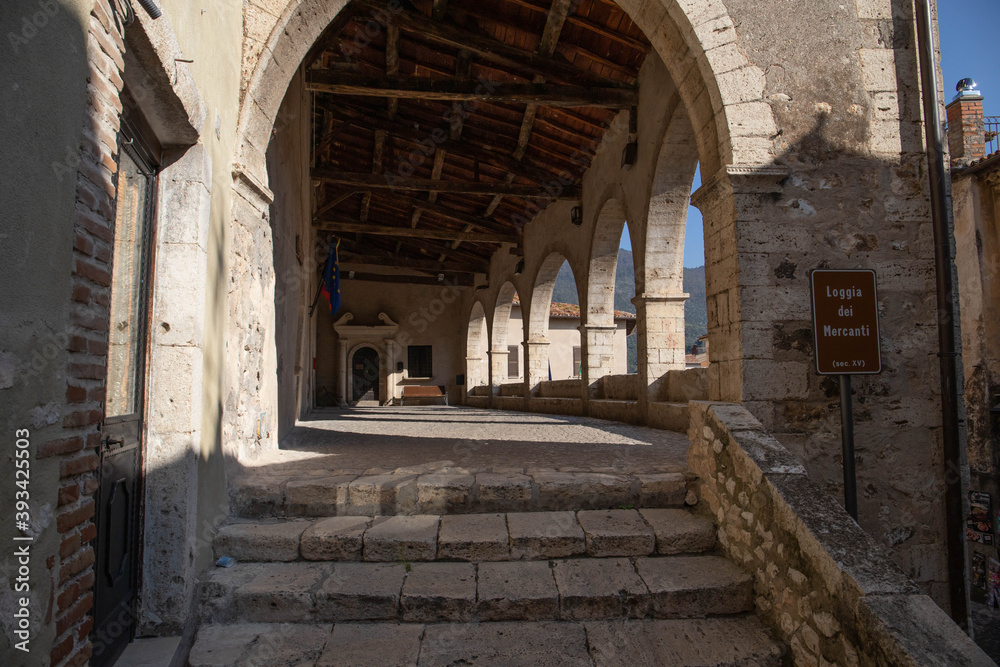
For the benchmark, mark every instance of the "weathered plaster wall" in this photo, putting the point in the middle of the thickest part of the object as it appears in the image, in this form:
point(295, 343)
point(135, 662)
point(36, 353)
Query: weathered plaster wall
point(295, 254)
point(564, 335)
point(209, 33)
point(426, 314)
point(36, 262)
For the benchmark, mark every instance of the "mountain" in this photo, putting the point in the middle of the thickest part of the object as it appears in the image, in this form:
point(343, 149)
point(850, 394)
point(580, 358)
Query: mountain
point(695, 310)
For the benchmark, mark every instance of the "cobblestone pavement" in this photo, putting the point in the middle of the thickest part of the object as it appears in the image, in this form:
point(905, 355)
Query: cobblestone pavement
point(442, 438)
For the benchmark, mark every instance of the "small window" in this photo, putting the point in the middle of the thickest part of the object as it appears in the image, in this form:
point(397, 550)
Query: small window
point(513, 363)
point(577, 362)
point(419, 362)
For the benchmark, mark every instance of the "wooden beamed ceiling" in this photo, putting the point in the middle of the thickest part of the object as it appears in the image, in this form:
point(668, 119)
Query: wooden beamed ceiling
point(441, 127)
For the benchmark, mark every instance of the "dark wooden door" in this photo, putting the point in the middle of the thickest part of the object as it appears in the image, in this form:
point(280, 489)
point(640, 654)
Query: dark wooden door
point(117, 518)
point(364, 375)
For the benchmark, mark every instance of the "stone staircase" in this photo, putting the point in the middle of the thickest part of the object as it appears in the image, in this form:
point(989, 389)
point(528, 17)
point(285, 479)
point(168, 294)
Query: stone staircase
point(536, 580)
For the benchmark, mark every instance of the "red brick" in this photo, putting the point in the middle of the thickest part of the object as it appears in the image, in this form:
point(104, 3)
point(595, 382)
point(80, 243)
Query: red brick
point(83, 244)
point(102, 299)
point(107, 45)
point(81, 657)
point(83, 418)
point(96, 393)
point(85, 628)
point(63, 446)
point(94, 222)
point(61, 650)
point(77, 344)
point(88, 533)
point(76, 565)
point(69, 519)
point(70, 546)
point(76, 394)
point(75, 614)
point(90, 321)
point(102, 253)
point(101, 13)
point(68, 596)
point(89, 486)
point(74, 466)
point(92, 271)
point(69, 494)
point(81, 294)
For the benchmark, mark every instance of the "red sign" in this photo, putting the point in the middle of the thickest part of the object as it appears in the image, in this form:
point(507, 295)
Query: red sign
point(845, 322)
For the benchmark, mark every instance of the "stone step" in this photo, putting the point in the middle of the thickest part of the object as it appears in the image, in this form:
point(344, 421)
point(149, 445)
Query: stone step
point(703, 642)
point(470, 537)
point(565, 589)
point(345, 493)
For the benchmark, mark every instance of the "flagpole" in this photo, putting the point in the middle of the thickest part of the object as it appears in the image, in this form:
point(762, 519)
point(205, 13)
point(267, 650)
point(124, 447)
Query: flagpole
point(319, 290)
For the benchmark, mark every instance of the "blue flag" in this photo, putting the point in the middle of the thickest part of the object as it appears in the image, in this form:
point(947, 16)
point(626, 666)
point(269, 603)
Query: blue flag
point(331, 278)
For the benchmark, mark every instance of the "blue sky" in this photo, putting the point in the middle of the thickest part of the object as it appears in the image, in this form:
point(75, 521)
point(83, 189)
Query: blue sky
point(967, 29)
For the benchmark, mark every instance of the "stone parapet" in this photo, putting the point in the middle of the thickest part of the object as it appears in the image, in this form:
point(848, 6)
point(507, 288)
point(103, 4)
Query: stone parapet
point(820, 581)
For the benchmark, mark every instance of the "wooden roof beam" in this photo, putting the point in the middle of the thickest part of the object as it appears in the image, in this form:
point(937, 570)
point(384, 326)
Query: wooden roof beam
point(415, 264)
point(328, 81)
point(485, 46)
point(351, 227)
point(391, 182)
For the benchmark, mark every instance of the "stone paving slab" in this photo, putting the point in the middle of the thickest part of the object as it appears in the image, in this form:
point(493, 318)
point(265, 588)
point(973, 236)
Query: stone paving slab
point(570, 491)
point(397, 538)
point(538, 535)
point(503, 490)
point(474, 537)
point(616, 533)
point(703, 642)
point(517, 591)
point(335, 538)
point(361, 592)
point(281, 592)
point(592, 588)
point(373, 645)
point(317, 495)
point(548, 644)
point(679, 531)
point(439, 592)
point(261, 542)
point(442, 492)
point(686, 586)
point(706, 642)
point(281, 645)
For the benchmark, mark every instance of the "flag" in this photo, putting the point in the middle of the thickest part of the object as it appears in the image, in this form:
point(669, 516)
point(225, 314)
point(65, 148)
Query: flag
point(331, 278)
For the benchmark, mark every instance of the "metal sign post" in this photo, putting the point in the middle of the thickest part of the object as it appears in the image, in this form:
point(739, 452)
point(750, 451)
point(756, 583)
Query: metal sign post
point(845, 333)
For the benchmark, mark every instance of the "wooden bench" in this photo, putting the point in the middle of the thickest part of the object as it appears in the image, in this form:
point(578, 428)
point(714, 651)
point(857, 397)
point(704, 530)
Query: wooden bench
point(424, 395)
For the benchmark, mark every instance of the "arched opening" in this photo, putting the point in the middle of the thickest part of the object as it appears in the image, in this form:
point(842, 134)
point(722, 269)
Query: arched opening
point(466, 227)
point(507, 350)
point(553, 347)
point(477, 371)
point(609, 326)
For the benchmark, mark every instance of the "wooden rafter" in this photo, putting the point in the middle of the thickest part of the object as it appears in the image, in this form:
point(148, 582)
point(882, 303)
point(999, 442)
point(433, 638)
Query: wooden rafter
point(416, 264)
point(390, 182)
point(333, 224)
point(450, 90)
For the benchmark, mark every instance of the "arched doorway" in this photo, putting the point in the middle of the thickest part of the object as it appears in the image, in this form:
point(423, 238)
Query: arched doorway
point(365, 373)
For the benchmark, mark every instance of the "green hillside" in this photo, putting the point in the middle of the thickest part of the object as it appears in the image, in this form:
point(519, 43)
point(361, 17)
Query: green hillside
point(695, 310)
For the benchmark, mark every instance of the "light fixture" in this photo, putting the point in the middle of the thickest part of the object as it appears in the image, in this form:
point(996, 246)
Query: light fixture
point(440, 277)
point(629, 154)
point(519, 268)
point(350, 275)
point(576, 215)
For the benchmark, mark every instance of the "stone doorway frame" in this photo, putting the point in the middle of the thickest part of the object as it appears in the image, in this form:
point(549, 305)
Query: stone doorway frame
point(351, 338)
point(381, 371)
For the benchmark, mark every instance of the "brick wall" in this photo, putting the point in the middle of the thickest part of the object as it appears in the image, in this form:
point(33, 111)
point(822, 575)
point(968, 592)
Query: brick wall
point(72, 569)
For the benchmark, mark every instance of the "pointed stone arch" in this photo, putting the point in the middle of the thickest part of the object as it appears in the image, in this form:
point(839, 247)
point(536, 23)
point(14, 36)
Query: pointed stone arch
point(476, 348)
point(501, 334)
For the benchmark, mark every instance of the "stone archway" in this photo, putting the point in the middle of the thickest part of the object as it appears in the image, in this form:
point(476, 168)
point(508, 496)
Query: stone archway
point(500, 340)
point(365, 374)
point(718, 87)
point(477, 340)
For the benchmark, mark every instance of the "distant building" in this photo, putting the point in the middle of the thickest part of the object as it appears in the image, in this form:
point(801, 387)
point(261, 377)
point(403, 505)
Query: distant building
point(565, 355)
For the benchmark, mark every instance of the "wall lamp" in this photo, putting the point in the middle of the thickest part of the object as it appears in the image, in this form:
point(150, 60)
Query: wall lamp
point(576, 215)
point(519, 268)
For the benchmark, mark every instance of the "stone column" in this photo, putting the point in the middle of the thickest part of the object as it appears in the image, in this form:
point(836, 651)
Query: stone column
point(390, 372)
point(536, 364)
point(473, 373)
point(342, 363)
point(498, 367)
point(660, 333)
point(597, 356)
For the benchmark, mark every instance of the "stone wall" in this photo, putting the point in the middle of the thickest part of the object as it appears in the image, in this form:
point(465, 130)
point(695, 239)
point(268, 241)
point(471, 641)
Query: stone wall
point(820, 582)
